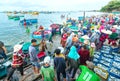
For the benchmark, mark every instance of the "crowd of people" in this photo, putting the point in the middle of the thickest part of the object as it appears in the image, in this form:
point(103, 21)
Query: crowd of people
point(76, 48)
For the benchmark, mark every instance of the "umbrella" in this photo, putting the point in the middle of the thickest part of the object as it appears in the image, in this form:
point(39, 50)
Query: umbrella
point(85, 37)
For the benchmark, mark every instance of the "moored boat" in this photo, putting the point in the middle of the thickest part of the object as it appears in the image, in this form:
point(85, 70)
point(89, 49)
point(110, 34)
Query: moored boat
point(35, 13)
point(10, 17)
point(37, 34)
point(57, 27)
point(16, 18)
point(29, 21)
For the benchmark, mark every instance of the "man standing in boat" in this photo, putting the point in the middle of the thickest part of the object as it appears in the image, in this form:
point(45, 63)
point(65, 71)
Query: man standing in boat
point(25, 24)
point(41, 29)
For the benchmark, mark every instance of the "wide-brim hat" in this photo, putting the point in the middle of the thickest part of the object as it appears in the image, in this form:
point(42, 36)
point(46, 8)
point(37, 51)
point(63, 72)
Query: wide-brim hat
point(86, 42)
point(85, 37)
point(92, 45)
point(84, 27)
point(115, 26)
point(106, 32)
point(47, 59)
point(17, 48)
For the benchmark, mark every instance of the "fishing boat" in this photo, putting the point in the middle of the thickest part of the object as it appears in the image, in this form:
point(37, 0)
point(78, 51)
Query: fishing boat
point(10, 17)
point(74, 28)
point(37, 34)
point(29, 21)
point(35, 13)
point(57, 27)
point(19, 15)
point(13, 17)
point(16, 18)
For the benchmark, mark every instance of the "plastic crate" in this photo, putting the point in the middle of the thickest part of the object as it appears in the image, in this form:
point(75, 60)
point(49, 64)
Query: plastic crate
point(116, 65)
point(117, 58)
point(105, 63)
point(104, 51)
point(112, 78)
point(103, 66)
point(95, 61)
point(115, 72)
point(108, 55)
point(106, 59)
point(97, 56)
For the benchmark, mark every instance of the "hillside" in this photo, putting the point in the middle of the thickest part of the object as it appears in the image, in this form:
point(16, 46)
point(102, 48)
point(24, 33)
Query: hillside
point(113, 5)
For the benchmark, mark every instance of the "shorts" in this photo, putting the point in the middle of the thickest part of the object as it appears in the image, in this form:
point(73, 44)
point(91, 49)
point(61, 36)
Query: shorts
point(35, 64)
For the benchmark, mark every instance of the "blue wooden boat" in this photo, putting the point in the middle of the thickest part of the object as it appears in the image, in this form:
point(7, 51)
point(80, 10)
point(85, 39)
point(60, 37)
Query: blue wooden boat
point(29, 21)
point(37, 35)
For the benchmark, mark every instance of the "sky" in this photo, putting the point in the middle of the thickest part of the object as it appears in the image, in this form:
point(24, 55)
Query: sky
point(52, 5)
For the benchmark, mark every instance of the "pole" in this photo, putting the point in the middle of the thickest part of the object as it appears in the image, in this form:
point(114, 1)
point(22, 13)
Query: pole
point(83, 16)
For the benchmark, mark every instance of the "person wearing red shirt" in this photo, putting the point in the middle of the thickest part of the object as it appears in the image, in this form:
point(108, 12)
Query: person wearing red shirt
point(84, 55)
point(17, 62)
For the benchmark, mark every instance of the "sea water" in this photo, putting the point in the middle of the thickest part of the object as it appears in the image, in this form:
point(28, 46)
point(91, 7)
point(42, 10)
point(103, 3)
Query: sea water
point(11, 32)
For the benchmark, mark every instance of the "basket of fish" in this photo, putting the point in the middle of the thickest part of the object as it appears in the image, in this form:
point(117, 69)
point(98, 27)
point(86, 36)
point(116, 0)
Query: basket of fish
point(116, 54)
point(101, 72)
point(97, 56)
point(98, 53)
point(105, 63)
point(108, 55)
point(117, 58)
point(105, 51)
point(106, 48)
point(95, 61)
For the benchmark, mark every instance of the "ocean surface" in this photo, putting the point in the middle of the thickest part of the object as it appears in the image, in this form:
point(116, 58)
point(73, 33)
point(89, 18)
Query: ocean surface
point(11, 32)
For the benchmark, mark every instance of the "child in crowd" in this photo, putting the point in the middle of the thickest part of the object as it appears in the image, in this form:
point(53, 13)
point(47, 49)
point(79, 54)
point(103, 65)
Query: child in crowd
point(47, 71)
